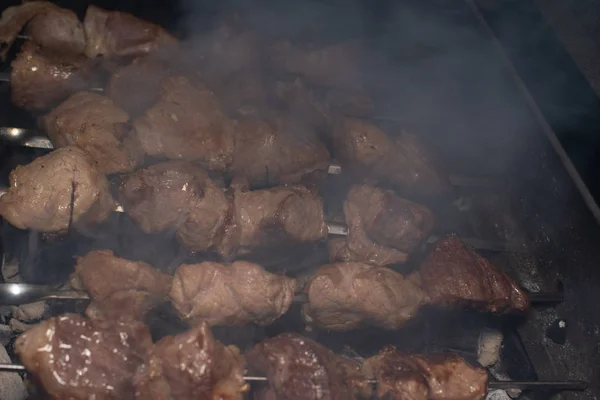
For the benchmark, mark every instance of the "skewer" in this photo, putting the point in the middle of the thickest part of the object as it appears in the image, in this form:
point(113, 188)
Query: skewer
point(5, 77)
point(522, 385)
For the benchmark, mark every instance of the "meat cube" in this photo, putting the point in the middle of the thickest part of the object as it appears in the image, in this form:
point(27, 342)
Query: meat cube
point(236, 294)
point(119, 288)
point(55, 29)
point(298, 368)
point(136, 87)
point(98, 126)
point(180, 196)
point(454, 276)
point(54, 192)
point(278, 151)
point(79, 359)
point(425, 377)
point(189, 366)
point(279, 216)
point(40, 80)
point(242, 93)
point(346, 296)
point(366, 151)
point(187, 123)
point(331, 66)
point(382, 227)
point(119, 34)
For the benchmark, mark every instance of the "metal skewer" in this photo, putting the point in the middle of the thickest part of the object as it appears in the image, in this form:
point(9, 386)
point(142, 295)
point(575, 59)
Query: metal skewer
point(522, 385)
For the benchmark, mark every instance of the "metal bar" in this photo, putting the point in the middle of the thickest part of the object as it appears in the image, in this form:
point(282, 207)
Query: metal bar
point(4, 77)
point(539, 385)
point(546, 297)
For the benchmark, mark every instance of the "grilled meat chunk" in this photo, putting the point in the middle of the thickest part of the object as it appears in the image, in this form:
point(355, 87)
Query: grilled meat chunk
point(425, 377)
point(278, 216)
point(136, 87)
point(119, 288)
point(187, 123)
point(242, 93)
point(382, 227)
point(236, 294)
point(278, 151)
point(78, 359)
point(347, 296)
point(57, 191)
point(180, 196)
point(40, 80)
point(119, 34)
point(98, 126)
point(454, 276)
point(332, 66)
point(189, 366)
point(368, 152)
point(55, 29)
point(298, 368)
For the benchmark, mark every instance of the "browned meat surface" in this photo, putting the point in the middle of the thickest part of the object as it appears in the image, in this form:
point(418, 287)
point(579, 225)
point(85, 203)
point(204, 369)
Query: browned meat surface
point(298, 368)
point(40, 79)
point(57, 191)
point(347, 296)
point(136, 87)
point(278, 216)
point(236, 294)
point(191, 366)
point(180, 196)
point(382, 227)
point(331, 66)
point(187, 123)
point(242, 93)
point(79, 359)
point(95, 124)
point(453, 275)
point(119, 288)
point(425, 377)
point(119, 34)
point(55, 29)
point(278, 151)
point(368, 152)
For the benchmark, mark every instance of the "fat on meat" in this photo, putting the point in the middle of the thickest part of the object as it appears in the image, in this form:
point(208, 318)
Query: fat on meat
point(237, 294)
point(346, 296)
point(383, 228)
point(298, 368)
point(40, 79)
point(98, 126)
point(189, 366)
point(57, 191)
point(74, 358)
point(119, 288)
point(366, 151)
point(187, 123)
point(55, 29)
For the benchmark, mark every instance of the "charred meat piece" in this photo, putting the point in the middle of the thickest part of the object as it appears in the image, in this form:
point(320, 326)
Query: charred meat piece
point(79, 359)
point(298, 368)
point(40, 79)
point(98, 126)
point(119, 288)
point(382, 227)
point(55, 29)
point(187, 123)
point(177, 195)
point(54, 192)
point(236, 294)
point(454, 276)
point(136, 87)
point(347, 296)
point(119, 34)
point(425, 377)
point(368, 152)
point(279, 216)
point(331, 66)
point(189, 366)
point(278, 151)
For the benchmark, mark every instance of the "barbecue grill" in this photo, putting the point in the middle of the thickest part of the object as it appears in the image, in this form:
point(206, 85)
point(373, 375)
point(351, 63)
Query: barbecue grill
point(454, 74)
